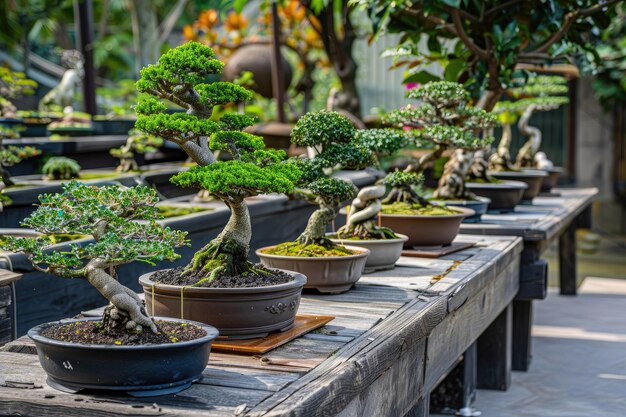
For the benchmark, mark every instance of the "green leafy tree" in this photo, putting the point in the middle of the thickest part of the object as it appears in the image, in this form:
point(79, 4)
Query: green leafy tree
point(12, 155)
point(332, 136)
point(13, 85)
point(61, 168)
point(447, 121)
point(137, 142)
point(110, 215)
point(183, 76)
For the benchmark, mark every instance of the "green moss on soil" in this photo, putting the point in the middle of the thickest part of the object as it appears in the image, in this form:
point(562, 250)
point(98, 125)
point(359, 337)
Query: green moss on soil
point(98, 176)
point(308, 251)
point(491, 180)
point(416, 209)
point(174, 211)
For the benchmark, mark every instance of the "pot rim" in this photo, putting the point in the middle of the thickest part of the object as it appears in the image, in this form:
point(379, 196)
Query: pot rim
point(553, 170)
point(35, 334)
point(298, 281)
point(506, 184)
point(528, 173)
point(465, 212)
point(479, 200)
point(401, 238)
point(363, 252)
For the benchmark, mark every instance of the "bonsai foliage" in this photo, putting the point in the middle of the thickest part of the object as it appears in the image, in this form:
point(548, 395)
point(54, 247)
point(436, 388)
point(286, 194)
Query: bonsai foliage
point(60, 168)
point(180, 76)
point(402, 191)
point(12, 85)
point(110, 215)
point(332, 136)
point(12, 155)
point(447, 121)
point(137, 142)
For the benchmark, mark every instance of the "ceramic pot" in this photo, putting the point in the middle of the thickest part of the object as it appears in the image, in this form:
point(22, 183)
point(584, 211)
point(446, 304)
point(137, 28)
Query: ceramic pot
point(238, 313)
point(551, 180)
point(327, 274)
point(504, 196)
point(532, 178)
point(479, 206)
point(383, 252)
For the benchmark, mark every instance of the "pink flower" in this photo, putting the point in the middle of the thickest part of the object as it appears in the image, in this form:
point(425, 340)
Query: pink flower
point(410, 86)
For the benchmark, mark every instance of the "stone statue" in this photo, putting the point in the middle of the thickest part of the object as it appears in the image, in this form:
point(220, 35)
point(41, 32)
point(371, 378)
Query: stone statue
point(62, 95)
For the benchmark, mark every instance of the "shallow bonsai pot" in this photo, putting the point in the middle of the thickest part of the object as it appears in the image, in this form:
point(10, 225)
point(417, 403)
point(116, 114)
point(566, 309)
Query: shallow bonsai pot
point(143, 370)
point(238, 313)
point(551, 180)
point(424, 230)
point(383, 252)
point(327, 274)
point(479, 206)
point(34, 129)
point(532, 177)
point(504, 195)
point(119, 126)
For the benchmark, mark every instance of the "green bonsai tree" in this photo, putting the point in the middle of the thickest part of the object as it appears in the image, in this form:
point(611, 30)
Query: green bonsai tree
point(137, 142)
point(110, 215)
point(500, 160)
point(181, 76)
point(12, 155)
point(331, 136)
point(60, 168)
point(447, 121)
point(13, 85)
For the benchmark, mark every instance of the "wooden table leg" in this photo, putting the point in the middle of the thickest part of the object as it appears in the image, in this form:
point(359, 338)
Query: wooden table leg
point(469, 380)
point(522, 324)
point(567, 260)
point(494, 353)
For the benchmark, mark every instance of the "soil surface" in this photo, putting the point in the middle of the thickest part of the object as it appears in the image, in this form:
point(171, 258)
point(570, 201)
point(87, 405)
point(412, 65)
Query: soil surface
point(260, 276)
point(416, 209)
point(308, 251)
point(92, 333)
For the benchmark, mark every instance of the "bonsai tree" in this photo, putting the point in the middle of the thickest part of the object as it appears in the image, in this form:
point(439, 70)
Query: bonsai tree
point(331, 135)
point(12, 85)
point(110, 216)
point(546, 93)
point(447, 121)
point(60, 168)
point(500, 160)
point(71, 120)
point(12, 155)
point(181, 76)
point(137, 142)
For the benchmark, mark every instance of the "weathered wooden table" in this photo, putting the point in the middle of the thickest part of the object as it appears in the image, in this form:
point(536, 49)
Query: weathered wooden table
point(7, 302)
point(539, 224)
point(395, 336)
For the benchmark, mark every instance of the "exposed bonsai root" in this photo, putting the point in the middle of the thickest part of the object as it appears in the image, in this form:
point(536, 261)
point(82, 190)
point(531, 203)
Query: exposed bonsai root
point(305, 239)
point(405, 195)
point(366, 230)
point(219, 257)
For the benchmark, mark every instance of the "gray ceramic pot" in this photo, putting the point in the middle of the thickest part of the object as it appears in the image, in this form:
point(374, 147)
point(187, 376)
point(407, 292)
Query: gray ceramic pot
point(551, 180)
point(532, 177)
point(424, 230)
point(328, 274)
point(238, 313)
point(479, 206)
point(383, 252)
point(504, 196)
point(143, 370)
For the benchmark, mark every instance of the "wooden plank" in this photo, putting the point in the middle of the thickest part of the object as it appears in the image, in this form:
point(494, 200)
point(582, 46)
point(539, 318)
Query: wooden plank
point(263, 380)
point(522, 342)
point(7, 277)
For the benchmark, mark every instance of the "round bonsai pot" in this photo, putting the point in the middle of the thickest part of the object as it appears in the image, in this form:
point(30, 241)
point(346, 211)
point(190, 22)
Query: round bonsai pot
point(383, 252)
point(118, 126)
point(238, 313)
point(424, 230)
point(142, 370)
point(532, 177)
point(504, 196)
point(479, 206)
point(551, 180)
point(327, 274)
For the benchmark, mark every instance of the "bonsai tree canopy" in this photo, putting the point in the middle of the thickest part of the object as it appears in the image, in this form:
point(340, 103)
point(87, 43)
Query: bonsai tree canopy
point(13, 85)
point(122, 222)
point(181, 76)
point(12, 155)
point(60, 168)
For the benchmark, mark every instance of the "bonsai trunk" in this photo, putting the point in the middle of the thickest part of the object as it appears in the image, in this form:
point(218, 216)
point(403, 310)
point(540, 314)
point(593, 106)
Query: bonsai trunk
point(405, 194)
point(6, 177)
point(361, 221)
point(452, 182)
point(501, 160)
point(526, 155)
point(315, 232)
point(424, 160)
point(126, 310)
point(227, 254)
point(127, 164)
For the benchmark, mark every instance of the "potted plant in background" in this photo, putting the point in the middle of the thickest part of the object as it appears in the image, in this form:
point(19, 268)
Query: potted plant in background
point(125, 349)
point(220, 286)
point(73, 123)
point(137, 143)
point(60, 168)
point(12, 85)
point(329, 267)
point(12, 155)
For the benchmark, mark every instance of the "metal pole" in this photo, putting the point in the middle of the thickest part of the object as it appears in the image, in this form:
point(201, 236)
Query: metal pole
point(277, 73)
point(83, 12)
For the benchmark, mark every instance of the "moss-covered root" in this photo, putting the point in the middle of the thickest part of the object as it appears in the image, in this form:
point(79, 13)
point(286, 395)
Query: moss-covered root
point(365, 230)
point(315, 232)
point(404, 194)
point(220, 257)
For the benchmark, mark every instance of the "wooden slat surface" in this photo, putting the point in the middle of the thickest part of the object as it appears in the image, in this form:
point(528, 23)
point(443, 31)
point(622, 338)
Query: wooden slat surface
point(369, 360)
point(545, 219)
point(7, 277)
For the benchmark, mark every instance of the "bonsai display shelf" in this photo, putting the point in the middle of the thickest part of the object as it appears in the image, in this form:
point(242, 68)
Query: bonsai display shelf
point(7, 286)
point(304, 324)
point(437, 251)
point(395, 335)
point(539, 224)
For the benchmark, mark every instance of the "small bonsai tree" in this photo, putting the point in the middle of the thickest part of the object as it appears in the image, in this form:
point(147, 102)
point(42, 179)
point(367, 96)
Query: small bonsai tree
point(447, 121)
point(109, 214)
point(13, 85)
point(12, 155)
point(137, 142)
point(508, 113)
point(331, 135)
point(181, 77)
point(60, 168)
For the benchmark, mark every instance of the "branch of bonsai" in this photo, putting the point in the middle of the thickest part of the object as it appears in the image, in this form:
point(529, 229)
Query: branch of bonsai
point(458, 25)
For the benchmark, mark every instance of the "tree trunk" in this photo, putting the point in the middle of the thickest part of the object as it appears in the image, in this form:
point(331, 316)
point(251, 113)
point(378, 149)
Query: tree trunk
point(501, 160)
point(452, 182)
point(526, 155)
point(315, 232)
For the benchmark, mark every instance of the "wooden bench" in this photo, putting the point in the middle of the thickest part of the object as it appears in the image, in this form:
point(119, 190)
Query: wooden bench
point(7, 280)
point(395, 336)
point(539, 224)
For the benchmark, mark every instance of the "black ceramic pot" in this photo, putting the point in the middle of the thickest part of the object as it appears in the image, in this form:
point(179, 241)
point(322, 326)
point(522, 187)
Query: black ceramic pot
point(504, 195)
